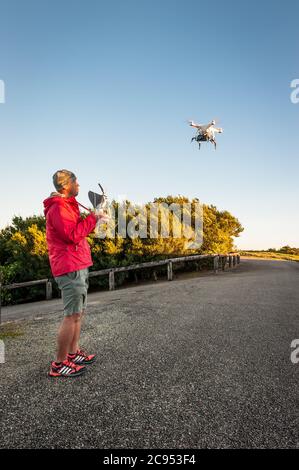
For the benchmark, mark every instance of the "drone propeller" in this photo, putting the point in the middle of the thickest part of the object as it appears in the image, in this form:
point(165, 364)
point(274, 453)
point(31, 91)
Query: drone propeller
point(217, 121)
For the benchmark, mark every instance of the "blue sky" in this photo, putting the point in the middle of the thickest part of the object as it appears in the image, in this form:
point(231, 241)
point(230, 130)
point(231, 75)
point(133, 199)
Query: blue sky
point(105, 88)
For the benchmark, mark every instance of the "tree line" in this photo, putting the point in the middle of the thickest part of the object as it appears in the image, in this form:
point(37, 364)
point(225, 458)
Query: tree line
point(24, 254)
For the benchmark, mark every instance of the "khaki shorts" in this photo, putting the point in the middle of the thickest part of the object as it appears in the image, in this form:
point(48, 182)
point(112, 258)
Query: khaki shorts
point(73, 288)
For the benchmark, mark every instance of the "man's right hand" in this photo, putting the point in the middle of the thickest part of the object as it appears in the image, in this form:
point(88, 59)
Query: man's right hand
point(101, 216)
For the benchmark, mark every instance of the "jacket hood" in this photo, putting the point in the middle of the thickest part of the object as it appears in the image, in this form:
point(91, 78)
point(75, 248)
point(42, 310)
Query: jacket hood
point(57, 198)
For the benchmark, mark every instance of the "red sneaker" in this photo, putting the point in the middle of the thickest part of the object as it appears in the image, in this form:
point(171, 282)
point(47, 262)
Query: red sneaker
point(65, 369)
point(81, 357)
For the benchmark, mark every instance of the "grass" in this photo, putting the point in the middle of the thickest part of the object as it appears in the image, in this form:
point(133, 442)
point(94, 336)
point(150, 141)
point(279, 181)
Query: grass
point(270, 255)
point(10, 330)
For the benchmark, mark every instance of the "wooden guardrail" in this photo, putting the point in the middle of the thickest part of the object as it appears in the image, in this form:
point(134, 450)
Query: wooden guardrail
point(220, 261)
point(47, 282)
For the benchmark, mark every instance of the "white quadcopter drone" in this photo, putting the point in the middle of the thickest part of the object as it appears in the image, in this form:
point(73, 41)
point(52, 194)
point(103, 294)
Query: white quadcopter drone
point(205, 132)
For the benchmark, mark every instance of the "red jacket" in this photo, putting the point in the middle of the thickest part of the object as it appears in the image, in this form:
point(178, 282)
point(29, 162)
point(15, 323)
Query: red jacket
point(66, 231)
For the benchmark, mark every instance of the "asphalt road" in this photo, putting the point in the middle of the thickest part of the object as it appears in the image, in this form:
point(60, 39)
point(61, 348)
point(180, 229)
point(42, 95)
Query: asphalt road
point(201, 362)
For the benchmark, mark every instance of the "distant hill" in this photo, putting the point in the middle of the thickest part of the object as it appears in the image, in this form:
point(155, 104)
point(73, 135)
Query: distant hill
point(285, 252)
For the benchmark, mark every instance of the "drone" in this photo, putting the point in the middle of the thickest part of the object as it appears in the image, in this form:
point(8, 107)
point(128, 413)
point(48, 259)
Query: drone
point(205, 132)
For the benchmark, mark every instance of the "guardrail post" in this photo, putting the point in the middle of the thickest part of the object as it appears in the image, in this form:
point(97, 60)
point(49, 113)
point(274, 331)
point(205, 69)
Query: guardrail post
point(111, 280)
point(216, 264)
point(169, 271)
point(48, 290)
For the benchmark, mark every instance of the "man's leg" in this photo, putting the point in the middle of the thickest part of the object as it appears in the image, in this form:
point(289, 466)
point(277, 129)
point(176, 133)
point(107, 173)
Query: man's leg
point(74, 346)
point(77, 354)
point(66, 335)
point(79, 322)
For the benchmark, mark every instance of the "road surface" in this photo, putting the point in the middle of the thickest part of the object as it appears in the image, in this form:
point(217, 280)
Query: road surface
point(200, 362)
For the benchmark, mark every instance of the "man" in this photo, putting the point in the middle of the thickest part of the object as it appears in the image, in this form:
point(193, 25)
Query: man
point(70, 258)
